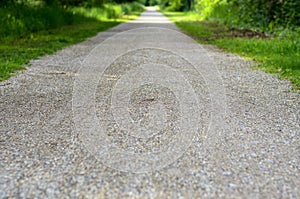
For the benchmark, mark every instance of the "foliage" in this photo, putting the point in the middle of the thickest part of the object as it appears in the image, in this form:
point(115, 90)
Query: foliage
point(32, 31)
point(22, 19)
point(259, 15)
point(173, 5)
point(268, 14)
point(247, 18)
point(279, 55)
point(109, 11)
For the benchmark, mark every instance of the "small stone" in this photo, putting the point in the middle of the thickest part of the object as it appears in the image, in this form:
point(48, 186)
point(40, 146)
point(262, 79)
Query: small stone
point(232, 185)
point(227, 173)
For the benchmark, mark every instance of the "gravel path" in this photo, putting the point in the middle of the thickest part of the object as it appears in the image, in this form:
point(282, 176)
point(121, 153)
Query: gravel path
point(172, 119)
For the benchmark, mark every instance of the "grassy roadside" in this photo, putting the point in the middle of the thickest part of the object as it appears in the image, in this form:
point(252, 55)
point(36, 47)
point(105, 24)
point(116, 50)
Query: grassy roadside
point(280, 54)
point(17, 50)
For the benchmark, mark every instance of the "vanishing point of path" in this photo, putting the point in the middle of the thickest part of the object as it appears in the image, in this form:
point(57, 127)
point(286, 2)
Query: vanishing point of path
point(143, 111)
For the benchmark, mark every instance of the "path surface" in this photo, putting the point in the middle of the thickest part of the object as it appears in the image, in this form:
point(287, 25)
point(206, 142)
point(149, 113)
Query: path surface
point(247, 142)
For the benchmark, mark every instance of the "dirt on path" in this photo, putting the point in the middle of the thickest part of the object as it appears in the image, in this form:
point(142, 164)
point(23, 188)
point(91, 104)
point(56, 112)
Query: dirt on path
point(143, 111)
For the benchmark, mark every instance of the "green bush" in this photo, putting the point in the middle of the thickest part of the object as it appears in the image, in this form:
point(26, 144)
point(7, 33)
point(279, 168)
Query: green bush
point(136, 7)
point(259, 15)
point(20, 19)
point(172, 5)
point(126, 8)
point(113, 11)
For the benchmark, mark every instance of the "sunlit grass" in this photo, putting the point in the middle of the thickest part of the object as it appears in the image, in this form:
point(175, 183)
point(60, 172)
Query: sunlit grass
point(280, 56)
point(17, 48)
point(14, 53)
point(110, 12)
point(275, 55)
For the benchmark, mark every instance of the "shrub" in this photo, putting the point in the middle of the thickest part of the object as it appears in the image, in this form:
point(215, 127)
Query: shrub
point(20, 19)
point(263, 15)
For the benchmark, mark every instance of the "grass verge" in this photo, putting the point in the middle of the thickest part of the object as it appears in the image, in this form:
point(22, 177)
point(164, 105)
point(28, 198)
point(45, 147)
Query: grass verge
point(16, 50)
point(280, 54)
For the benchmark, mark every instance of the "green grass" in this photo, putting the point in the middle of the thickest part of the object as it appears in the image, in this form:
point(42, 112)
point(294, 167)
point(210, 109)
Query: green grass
point(14, 53)
point(18, 48)
point(280, 55)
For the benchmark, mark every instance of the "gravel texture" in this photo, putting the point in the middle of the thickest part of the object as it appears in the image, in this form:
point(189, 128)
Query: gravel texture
point(254, 152)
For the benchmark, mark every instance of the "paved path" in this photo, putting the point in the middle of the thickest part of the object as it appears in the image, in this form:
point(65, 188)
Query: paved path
point(142, 111)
